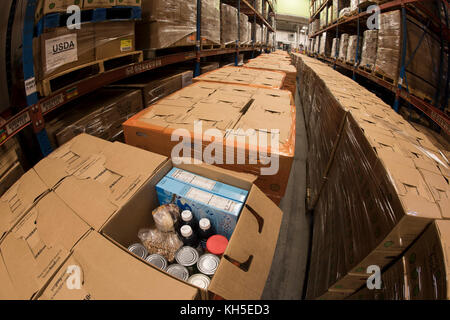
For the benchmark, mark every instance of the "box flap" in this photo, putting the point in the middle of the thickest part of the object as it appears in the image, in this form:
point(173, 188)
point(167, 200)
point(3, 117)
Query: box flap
point(70, 158)
point(19, 199)
point(108, 182)
point(109, 273)
point(252, 245)
point(39, 244)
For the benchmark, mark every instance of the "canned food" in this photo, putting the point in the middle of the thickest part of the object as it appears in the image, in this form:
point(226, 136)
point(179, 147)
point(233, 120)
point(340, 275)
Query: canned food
point(208, 264)
point(187, 257)
point(200, 280)
point(158, 261)
point(178, 271)
point(139, 250)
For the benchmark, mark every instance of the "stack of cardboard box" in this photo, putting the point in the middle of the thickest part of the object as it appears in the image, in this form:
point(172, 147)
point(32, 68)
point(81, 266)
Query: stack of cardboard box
point(252, 77)
point(223, 107)
point(66, 224)
point(377, 181)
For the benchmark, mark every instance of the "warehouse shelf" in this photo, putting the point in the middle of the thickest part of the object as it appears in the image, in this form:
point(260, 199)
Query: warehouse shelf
point(351, 21)
point(320, 9)
point(59, 98)
point(33, 115)
point(436, 115)
point(248, 9)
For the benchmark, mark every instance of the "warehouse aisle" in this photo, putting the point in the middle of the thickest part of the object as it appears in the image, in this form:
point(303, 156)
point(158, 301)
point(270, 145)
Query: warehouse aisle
point(286, 277)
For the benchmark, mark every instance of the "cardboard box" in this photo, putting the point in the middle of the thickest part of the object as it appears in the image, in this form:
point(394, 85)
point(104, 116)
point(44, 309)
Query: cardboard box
point(62, 49)
point(10, 177)
point(99, 3)
point(18, 200)
point(95, 177)
point(114, 38)
point(252, 245)
point(222, 212)
point(210, 185)
point(109, 273)
point(134, 3)
point(100, 114)
point(44, 7)
point(247, 108)
point(39, 244)
point(155, 87)
point(428, 265)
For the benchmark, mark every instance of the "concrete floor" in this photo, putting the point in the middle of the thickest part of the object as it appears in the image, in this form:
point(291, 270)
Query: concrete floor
point(285, 281)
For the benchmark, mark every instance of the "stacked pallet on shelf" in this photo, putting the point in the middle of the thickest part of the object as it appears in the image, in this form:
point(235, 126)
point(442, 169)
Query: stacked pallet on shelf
point(369, 50)
point(343, 47)
point(278, 63)
point(377, 182)
point(210, 27)
point(104, 41)
point(243, 30)
point(353, 49)
point(229, 27)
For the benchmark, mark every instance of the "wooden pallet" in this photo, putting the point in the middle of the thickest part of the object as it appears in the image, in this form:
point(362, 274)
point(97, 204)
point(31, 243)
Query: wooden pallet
point(366, 69)
point(78, 73)
point(229, 45)
point(421, 95)
point(210, 46)
point(385, 77)
point(150, 54)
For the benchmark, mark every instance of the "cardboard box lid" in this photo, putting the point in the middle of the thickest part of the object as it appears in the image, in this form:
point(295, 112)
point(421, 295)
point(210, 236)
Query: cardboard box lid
point(69, 159)
point(19, 199)
point(39, 244)
point(253, 244)
point(109, 273)
point(108, 181)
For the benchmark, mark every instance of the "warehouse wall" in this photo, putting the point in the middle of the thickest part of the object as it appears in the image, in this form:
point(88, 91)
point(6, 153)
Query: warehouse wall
point(283, 36)
point(293, 7)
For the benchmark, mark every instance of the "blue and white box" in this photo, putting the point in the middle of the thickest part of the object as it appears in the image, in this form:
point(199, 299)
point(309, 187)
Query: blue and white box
point(222, 212)
point(218, 188)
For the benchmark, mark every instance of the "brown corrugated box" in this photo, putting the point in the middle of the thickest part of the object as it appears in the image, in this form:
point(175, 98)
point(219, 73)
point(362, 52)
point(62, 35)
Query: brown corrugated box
point(99, 3)
point(152, 128)
point(118, 210)
point(100, 114)
point(114, 38)
point(44, 7)
point(155, 87)
point(66, 49)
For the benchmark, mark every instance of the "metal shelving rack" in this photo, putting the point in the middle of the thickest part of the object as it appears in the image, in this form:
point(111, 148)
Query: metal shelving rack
point(434, 112)
point(33, 114)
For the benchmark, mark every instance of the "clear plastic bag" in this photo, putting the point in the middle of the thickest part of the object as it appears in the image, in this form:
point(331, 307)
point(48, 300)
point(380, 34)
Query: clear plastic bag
point(166, 217)
point(163, 243)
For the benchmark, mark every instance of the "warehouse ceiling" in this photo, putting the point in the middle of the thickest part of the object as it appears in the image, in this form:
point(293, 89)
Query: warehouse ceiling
point(289, 23)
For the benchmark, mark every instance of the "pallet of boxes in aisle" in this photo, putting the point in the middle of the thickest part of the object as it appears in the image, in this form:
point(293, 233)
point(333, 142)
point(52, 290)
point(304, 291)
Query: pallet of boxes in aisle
point(104, 41)
point(261, 120)
point(82, 214)
point(386, 180)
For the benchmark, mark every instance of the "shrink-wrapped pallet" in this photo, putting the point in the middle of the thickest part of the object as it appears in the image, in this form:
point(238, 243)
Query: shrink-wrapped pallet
point(354, 49)
point(369, 49)
point(229, 28)
point(343, 46)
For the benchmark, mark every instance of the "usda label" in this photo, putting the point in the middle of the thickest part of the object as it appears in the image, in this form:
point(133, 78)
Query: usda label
point(17, 123)
point(60, 51)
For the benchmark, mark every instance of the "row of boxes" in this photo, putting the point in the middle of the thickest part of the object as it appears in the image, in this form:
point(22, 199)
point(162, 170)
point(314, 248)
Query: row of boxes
point(376, 182)
point(74, 214)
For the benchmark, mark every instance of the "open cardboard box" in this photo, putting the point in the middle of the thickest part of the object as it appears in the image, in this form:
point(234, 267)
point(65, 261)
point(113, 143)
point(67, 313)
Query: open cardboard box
point(120, 207)
point(252, 244)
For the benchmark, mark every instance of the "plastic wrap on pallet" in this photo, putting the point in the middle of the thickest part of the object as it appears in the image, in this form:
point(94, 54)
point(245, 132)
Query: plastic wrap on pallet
point(167, 23)
point(393, 285)
point(243, 22)
point(389, 44)
point(344, 12)
point(114, 38)
point(249, 35)
point(338, 5)
point(354, 5)
point(229, 29)
point(264, 34)
point(427, 264)
point(354, 47)
point(369, 48)
point(325, 44)
point(258, 38)
point(422, 73)
point(384, 184)
point(258, 5)
point(335, 48)
point(343, 46)
point(270, 40)
point(210, 29)
point(100, 114)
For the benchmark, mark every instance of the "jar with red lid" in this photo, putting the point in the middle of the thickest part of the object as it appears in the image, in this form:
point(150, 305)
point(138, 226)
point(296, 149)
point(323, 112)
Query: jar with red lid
point(217, 245)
